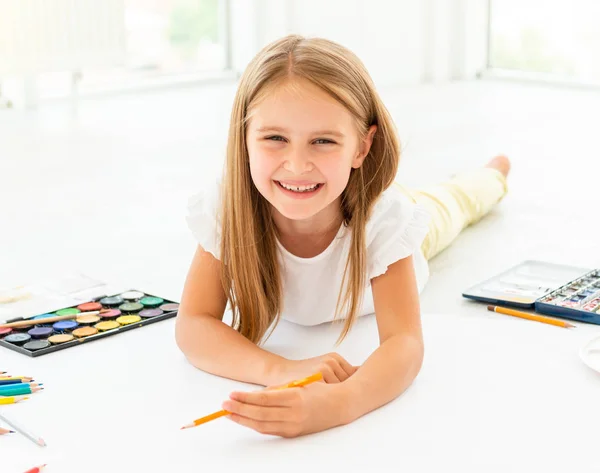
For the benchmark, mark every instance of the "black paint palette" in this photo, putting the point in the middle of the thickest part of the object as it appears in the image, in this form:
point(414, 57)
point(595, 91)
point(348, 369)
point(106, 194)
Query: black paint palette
point(90, 321)
point(562, 291)
point(577, 300)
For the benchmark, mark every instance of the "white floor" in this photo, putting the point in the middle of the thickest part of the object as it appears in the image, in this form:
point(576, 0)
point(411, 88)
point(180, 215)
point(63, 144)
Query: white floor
point(104, 190)
point(103, 187)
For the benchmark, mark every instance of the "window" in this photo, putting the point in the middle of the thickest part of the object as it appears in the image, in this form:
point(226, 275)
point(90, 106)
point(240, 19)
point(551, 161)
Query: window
point(558, 39)
point(165, 41)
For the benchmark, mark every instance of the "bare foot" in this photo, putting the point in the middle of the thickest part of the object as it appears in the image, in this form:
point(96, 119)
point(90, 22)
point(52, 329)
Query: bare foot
point(500, 163)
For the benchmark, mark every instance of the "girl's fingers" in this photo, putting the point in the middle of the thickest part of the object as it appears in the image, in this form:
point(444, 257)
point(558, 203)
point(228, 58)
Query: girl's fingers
point(339, 372)
point(259, 413)
point(347, 367)
point(276, 398)
point(269, 428)
point(329, 375)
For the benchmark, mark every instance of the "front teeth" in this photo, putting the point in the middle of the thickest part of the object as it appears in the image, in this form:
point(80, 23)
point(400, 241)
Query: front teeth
point(299, 188)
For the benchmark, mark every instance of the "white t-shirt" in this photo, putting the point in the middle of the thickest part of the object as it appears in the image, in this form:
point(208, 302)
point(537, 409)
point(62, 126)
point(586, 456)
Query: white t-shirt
point(311, 286)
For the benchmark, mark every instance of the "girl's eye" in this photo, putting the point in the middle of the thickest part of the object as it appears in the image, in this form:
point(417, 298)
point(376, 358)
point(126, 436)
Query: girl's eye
point(323, 141)
point(275, 138)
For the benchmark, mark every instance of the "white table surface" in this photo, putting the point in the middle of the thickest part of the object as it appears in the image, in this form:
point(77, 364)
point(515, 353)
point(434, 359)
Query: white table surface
point(495, 394)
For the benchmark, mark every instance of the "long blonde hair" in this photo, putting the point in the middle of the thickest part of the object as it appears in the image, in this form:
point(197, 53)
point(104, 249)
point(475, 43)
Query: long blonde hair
point(250, 267)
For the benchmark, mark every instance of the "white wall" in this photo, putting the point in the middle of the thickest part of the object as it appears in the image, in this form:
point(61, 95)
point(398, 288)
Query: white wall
point(401, 42)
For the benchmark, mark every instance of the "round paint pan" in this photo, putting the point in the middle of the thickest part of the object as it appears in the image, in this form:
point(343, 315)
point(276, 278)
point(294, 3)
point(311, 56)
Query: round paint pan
point(43, 316)
point(89, 306)
point(128, 319)
point(170, 307)
point(5, 331)
point(61, 338)
point(111, 314)
point(41, 332)
point(114, 301)
point(70, 311)
point(84, 332)
point(88, 319)
point(35, 345)
point(132, 295)
point(65, 325)
point(131, 307)
point(149, 313)
point(150, 301)
point(107, 325)
point(17, 338)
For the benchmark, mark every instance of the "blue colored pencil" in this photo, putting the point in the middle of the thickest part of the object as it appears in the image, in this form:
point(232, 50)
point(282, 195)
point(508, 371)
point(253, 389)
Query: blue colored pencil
point(4, 382)
point(19, 389)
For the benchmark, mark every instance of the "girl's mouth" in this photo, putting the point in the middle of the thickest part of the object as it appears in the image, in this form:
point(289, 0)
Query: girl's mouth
point(298, 191)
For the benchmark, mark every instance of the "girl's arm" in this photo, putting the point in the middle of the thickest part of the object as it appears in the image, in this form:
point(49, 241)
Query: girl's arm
point(384, 376)
point(391, 369)
point(209, 343)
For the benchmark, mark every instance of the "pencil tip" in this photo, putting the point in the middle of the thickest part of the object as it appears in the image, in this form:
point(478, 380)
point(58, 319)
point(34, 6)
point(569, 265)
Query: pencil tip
point(11, 432)
point(490, 308)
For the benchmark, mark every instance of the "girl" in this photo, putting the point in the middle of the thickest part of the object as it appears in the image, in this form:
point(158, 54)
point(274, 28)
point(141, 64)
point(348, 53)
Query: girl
point(308, 225)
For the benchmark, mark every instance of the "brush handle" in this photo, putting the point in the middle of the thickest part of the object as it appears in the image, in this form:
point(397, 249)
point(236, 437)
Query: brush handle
point(47, 320)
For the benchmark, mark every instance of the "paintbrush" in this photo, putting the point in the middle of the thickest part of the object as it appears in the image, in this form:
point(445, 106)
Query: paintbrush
point(47, 320)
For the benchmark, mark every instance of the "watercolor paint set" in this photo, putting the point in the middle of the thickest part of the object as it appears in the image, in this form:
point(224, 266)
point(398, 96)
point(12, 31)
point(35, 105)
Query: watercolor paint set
point(72, 326)
point(558, 290)
point(579, 299)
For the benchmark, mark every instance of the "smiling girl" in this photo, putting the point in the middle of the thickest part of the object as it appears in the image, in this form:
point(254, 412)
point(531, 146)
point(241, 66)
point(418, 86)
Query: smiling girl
point(309, 225)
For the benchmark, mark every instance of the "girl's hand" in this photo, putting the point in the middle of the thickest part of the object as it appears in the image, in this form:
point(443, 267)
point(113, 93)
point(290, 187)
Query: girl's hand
point(289, 412)
point(332, 366)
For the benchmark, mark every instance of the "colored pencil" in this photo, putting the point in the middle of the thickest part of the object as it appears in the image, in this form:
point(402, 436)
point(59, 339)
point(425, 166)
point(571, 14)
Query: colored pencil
point(216, 415)
point(20, 385)
point(47, 320)
point(11, 400)
point(4, 382)
point(19, 389)
point(525, 315)
point(31, 436)
point(25, 379)
point(6, 431)
point(37, 469)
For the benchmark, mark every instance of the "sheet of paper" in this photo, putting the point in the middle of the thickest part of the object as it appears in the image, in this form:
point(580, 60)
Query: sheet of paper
point(51, 294)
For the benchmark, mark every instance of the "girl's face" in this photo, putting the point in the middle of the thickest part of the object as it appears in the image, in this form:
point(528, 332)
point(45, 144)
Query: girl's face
point(302, 146)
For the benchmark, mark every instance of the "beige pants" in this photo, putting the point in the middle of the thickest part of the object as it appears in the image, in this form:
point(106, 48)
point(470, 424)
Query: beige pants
point(456, 204)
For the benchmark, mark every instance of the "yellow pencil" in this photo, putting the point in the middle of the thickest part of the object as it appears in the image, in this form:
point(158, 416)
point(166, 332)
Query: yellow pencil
point(11, 400)
point(215, 415)
point(525, 315)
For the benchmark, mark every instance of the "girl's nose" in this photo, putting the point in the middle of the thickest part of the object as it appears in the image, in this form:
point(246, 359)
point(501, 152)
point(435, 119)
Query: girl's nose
point(297, 163)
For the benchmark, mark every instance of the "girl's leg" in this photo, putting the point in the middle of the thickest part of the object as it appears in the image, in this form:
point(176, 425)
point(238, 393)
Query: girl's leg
point(460, 202)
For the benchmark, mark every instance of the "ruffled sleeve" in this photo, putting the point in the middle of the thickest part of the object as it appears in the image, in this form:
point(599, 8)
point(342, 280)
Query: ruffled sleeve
point(396, 230)
point(203, 218)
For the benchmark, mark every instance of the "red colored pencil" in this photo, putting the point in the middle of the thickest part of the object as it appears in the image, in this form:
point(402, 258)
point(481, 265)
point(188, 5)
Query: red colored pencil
point(37, 469)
